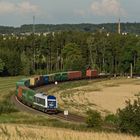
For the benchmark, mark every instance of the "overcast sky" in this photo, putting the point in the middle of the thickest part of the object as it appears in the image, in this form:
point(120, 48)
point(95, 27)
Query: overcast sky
point(19, 12)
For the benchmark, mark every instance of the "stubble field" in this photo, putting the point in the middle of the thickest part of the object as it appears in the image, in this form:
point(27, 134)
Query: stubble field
point(105, 96)
point(24, 132)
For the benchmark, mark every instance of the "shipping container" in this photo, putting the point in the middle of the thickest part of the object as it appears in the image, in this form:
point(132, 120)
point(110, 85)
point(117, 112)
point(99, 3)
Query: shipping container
point(64, 76)
point(72, 75)
point(46, 79)
point(57, 77)
point(91, 73)
point(23, 82)
point(28, 95)
point(19, 94)
point(19, 84)
point(26, 82)
point(40, 81)
point(51, 78)
point(20, 90)
point(33, 81)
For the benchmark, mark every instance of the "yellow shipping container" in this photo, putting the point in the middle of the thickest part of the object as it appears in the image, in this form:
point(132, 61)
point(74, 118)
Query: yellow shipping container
point(32, 82)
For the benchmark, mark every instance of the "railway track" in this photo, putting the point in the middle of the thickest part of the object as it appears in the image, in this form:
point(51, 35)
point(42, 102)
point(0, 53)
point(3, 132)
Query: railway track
point(71, 117)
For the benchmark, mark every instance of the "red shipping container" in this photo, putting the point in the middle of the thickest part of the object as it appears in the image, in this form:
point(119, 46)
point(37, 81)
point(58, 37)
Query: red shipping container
point(94, 73)
point(91, 73)
point(74, 75)
point(88, 73)
point(20, 92)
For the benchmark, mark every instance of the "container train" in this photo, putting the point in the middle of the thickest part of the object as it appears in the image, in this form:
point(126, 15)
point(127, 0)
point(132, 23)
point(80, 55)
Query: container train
point(41, 101)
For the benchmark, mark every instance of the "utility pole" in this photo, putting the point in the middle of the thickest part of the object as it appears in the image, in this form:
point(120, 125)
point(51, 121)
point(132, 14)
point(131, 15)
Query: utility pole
point(90, 42)
point(131, 70)
point(34, 43)
point(33, 24)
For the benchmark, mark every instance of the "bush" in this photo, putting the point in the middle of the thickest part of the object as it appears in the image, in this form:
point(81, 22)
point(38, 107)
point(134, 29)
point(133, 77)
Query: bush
point(111, 119)
point(6, 107)
point(129, 117)
point(94, 119)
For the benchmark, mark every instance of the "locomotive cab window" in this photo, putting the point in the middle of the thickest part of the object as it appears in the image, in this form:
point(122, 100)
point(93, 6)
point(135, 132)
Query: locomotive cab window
point(39, 101)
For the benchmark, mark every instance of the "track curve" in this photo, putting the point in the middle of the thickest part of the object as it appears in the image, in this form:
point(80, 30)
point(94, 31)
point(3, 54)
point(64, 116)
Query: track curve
point(71, 117)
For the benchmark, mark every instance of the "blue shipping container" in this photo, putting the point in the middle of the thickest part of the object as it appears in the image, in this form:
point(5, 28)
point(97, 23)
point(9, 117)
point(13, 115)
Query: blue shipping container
point(46, 79)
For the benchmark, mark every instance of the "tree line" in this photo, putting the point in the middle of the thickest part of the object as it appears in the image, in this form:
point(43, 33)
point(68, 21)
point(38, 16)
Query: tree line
point(83, 27)
point(69, 50)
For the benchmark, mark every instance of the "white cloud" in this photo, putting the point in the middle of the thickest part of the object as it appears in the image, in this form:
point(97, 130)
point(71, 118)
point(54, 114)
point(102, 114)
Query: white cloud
point(24, 7)
point(107, 7)
point(6, 7)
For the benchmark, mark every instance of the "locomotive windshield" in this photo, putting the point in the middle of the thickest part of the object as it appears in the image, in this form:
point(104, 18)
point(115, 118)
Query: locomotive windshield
point(51, 104)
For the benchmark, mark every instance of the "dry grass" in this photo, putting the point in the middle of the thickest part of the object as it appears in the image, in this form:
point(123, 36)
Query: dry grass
point(24, 132)
point(105, 96)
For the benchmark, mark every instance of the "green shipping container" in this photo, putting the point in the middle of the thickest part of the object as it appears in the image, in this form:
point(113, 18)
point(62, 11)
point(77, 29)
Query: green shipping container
point(19, 84)
point(57, 77)
point(64, 76)
point(51, 78)
point(28, 95)
point(23, 82)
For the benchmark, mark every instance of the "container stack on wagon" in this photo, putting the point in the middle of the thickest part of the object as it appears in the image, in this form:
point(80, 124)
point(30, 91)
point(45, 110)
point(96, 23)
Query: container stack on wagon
point(74, 75)
point(57, 77)
point(64, 76)
point(26, 94)
point(23, 82)
point(33, 81)
point(40, 81)
point(51, 78)
point(46, 79)
point(91, 73)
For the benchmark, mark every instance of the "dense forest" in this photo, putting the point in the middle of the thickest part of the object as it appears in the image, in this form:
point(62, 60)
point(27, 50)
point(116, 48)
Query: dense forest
point(109, 27)
point(69, 50)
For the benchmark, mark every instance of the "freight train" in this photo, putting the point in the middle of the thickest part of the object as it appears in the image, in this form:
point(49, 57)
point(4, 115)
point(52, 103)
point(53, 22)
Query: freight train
point(42, 101)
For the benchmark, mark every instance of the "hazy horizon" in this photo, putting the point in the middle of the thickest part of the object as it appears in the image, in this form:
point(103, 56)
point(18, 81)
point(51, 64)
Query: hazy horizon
point(19, 12)
point(68, 24)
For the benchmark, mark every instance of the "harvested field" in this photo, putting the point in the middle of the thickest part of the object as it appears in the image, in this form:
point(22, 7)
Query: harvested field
point(105, 96)
point(24, 132)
